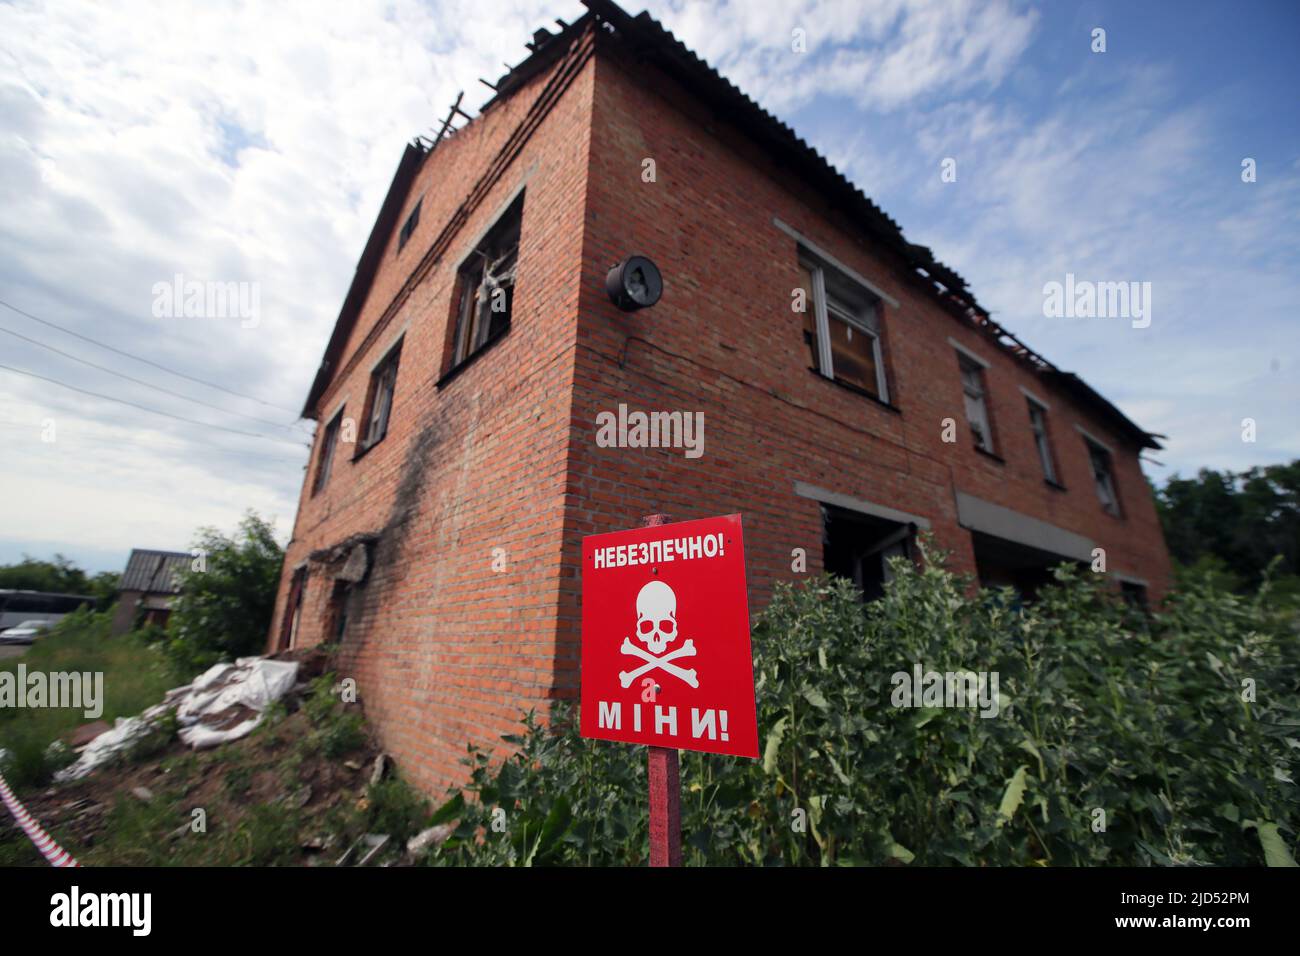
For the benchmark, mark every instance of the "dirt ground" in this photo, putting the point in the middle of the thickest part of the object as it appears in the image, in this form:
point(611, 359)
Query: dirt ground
point(297, 791)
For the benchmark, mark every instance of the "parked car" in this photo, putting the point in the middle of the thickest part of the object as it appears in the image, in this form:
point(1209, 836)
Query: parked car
point(24, 633)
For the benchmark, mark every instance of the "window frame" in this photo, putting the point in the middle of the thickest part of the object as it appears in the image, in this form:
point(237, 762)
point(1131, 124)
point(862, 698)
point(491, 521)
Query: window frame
point(858, 319)
point(977, 392)
point(1099, 452)
point(470, 335)
point(1042, 439)
point(328, 451)
point(409, 226)
point(386, 367)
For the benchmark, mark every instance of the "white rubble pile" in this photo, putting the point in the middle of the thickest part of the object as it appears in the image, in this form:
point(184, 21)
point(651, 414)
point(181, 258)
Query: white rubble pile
point(224, 703)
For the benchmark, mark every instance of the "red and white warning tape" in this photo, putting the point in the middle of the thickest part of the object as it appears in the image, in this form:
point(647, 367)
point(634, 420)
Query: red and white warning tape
point(35, 832)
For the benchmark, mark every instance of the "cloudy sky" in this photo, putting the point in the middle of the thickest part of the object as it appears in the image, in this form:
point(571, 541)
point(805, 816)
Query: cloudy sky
point(252, 143)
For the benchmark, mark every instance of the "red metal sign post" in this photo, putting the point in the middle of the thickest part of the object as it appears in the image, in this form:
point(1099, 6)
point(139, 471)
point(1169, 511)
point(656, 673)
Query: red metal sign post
point(665, 784)
point(665, 652)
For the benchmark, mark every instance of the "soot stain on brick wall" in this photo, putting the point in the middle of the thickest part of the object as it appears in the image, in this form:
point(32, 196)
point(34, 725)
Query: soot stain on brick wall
point(385, 571)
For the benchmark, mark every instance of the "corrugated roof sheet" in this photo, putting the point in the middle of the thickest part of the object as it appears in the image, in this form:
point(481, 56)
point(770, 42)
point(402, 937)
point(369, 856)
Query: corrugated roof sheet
point(154, 572)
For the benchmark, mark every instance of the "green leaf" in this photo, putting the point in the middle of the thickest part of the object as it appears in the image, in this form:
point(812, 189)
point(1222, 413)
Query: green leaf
point(448, 811)
point(773, 748)
point(814, 697)
point(554, 827)
point(1028, 744)
point(1276, 852)
point(899, 852)
point(1013, 796)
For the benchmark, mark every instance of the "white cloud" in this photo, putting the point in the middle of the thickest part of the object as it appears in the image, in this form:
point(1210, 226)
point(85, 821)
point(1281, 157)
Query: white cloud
point(227, 142)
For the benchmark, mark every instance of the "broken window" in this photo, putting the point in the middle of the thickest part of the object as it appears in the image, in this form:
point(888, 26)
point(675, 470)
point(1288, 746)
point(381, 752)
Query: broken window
point(1103, 476)
point(329, 441)
point(293, 610)
point(1135, 593)
point(977, 410)
point(1000, 562)
point(1038, 422)
point(859, 547)
point(408, 227)
point(486, 284)
point(842, 327)
point(383, 382)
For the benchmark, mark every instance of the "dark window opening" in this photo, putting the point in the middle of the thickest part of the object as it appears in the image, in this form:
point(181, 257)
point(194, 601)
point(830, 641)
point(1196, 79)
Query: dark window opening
point(1003, 563)
point(339, 610)
point(977, 409)
point(379, 402)
point(486, 286)
point(858, 547)
point(1135, 594)
point(1038, 422)
point(1103, 476)
point(293, 610)
point(329, 441)
point(408, 227)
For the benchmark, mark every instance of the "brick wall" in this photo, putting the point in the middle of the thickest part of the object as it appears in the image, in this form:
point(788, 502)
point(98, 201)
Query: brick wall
point(724, 340)
point(445, 650)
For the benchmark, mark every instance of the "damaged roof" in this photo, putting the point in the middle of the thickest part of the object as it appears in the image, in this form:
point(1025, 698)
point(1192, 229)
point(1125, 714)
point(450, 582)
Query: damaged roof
point(651, 42)
point(154, 572)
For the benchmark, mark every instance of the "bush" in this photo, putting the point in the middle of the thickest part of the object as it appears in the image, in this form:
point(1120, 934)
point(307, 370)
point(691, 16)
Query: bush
point(1118, 740)
point(224, 610)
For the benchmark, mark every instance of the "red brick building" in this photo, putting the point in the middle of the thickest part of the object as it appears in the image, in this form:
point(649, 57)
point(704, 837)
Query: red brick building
point(457, 466)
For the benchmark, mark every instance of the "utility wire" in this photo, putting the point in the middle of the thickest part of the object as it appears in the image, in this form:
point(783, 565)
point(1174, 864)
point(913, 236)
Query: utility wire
point(165, 391)
point(76, 439)
point(170, 371)
point(154, 411)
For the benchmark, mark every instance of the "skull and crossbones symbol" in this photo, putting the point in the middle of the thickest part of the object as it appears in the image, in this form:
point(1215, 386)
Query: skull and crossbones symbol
point(656, 627)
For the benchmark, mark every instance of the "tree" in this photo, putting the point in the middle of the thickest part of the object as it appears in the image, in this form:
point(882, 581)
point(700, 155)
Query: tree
point(228, 594)
point(1244, 520)
point(60, 576)
point(30, 574)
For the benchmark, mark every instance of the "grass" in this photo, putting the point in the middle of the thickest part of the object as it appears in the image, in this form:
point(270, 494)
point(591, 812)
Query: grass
point(136, 676)
point(300, 778)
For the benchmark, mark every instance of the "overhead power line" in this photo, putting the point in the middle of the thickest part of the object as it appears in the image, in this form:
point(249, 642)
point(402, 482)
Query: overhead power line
point(154, 411)
point(164, 368)
point(159, 448)
point(138, 381)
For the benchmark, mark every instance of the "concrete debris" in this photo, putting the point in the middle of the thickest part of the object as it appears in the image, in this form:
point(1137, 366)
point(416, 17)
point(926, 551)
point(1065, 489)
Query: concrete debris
point(142, 793)
point(434, 836)
point(224, 703)
point(373, 843)
point(379, 770)
point(368, 847)
point(87, 732)
point(355, 568)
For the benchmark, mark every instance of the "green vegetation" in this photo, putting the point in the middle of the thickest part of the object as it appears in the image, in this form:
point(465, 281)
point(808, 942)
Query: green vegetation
point(136, 677)
point(1236, 524)
point(60, 576)
point(224, 610)
point(1145, 727)
point(272, 798)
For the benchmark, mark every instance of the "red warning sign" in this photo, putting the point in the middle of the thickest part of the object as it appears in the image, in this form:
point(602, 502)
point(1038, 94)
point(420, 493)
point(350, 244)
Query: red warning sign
point(665, 638)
